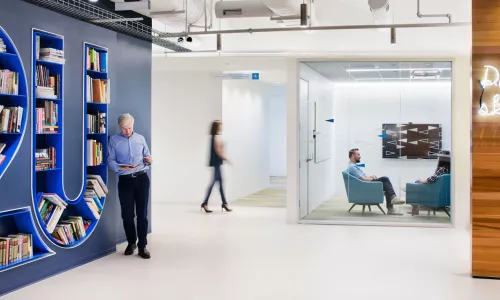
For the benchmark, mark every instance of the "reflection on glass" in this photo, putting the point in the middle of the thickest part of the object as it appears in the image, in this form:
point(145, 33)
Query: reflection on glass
point(380, 141)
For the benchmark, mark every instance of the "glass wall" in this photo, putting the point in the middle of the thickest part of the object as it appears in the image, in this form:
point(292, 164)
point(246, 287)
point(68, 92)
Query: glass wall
point(376, 141)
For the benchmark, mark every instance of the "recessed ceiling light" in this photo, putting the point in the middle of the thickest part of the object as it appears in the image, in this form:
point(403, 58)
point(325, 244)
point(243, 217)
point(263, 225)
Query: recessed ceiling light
point(93, 0)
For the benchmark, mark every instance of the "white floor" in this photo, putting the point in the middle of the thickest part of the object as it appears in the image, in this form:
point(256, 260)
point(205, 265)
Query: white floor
point(252, 254)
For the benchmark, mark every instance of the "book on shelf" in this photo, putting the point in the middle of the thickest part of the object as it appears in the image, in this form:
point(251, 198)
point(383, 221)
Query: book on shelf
point(47, 85)
point(45, 159)
point(2, 158)
point(11, 119)
point(98, 90)
point(71, 229)
point(96, 122)
point(97, 61)
point(2, 146)
point(51, 55)
point(51, 207)
point(15, 248)
point(3, 47)
point(95, 155)
point(9, 82)
point(47, 118)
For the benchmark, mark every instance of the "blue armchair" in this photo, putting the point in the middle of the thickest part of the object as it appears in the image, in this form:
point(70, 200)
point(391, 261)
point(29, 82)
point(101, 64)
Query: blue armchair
point(433, 196)
point(364, 193)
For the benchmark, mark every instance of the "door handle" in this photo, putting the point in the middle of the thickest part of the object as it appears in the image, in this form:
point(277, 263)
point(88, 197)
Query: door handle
point(309, 159)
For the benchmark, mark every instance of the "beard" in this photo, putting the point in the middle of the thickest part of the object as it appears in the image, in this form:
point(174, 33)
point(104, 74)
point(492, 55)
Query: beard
point(358, 161)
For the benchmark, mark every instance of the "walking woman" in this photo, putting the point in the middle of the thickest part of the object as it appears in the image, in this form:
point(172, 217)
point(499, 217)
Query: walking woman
point(217, 157)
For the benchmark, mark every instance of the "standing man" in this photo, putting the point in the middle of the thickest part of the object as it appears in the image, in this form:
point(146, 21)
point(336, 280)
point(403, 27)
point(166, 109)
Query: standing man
point(390, 195)
point(129, 157)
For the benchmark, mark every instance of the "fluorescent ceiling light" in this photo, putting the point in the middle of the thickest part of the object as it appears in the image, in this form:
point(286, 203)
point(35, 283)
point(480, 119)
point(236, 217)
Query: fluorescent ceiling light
point(388, 70)
point(416, 78)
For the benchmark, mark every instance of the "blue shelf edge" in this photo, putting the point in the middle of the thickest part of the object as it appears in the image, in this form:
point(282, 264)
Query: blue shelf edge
point(25, 223)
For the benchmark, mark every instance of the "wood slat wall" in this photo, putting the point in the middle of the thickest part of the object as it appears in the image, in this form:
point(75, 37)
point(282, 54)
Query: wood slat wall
point(485, 190)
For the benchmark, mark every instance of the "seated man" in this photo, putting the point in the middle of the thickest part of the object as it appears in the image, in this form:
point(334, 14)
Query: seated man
point(390, 195)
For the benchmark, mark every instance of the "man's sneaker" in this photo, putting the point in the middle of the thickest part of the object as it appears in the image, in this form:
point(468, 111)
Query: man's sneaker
point(393, 212)
point(396, 200)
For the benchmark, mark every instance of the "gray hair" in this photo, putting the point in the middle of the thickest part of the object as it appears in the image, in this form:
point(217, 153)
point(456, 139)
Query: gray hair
point(125, 119)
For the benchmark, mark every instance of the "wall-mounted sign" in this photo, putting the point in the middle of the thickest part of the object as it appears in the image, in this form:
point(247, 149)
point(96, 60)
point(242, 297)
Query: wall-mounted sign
point(238, 76)
point(484, 110)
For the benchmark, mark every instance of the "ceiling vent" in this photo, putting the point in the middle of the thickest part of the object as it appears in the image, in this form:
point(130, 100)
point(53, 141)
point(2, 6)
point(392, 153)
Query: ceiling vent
point(241, 9)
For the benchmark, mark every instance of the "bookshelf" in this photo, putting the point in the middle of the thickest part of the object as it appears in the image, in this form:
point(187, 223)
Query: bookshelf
point(13, 101)
point(18, 221)
point(67, 223)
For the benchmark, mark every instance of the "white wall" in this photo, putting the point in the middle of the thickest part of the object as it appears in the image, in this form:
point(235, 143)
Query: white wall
point(362, 108)
point(321, 174)
point(277, 131)
point(245, 127)
point(184, 104)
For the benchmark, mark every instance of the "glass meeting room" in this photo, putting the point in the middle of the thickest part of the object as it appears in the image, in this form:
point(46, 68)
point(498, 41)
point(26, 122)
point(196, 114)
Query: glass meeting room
point(375, 142)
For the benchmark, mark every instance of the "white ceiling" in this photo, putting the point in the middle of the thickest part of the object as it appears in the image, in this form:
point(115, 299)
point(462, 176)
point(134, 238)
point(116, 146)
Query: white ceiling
point(424, 42)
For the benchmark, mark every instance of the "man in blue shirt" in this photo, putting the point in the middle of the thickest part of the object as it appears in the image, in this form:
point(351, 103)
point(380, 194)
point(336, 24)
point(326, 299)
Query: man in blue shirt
point(129, 157)
point(355, 170)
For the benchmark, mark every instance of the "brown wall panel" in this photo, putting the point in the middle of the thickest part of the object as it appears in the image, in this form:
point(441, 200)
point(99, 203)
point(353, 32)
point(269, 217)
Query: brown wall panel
point(485, 189)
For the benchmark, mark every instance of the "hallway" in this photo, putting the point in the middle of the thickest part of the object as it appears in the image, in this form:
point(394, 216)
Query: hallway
point(252, 254)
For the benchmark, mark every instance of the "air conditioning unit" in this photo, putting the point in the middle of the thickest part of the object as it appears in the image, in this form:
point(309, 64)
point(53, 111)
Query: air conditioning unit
point(241, 9)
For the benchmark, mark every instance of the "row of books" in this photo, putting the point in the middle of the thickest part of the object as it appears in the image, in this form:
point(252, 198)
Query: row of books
point(51, 208)
point(15, 248)
point(98, 90)
point(11, 119)
point(9, 82)
point(97, 61)
point(95, 191)
point(47, 85)
point(71, 229)
point(47, 118)
point(51, 55)
point(3, 47)
point(95, 155)
point(96, 123)
point(45, 159)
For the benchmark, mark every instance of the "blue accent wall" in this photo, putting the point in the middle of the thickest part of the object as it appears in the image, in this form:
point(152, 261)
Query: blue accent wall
point(130, 73)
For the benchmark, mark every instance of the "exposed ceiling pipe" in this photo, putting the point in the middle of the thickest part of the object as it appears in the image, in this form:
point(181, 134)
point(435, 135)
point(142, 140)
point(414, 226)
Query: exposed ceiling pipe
point(420, 15)
point(318, 28)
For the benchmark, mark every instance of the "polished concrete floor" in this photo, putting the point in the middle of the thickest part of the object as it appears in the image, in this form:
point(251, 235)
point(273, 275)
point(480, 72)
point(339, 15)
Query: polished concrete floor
point(252, 254)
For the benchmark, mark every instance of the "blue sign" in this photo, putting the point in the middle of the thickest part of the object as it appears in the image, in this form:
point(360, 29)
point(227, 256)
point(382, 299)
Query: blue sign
point(330, 120)
point(383, 135)
point(255, 76)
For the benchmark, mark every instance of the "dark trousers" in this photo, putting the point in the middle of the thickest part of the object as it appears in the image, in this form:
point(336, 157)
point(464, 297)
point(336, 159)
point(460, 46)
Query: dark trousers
point(388, 190)
point(217, 177)
point(134, 198)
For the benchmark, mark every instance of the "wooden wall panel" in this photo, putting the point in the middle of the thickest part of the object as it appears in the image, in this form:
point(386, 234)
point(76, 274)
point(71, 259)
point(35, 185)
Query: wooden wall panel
point(485, 190)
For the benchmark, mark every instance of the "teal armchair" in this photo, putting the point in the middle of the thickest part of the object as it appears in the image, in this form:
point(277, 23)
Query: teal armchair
point(433, 196)
point(365, 193)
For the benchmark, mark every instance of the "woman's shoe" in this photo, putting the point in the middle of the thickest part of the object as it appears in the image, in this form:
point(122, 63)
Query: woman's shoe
point(224, 207)
point(205, 208)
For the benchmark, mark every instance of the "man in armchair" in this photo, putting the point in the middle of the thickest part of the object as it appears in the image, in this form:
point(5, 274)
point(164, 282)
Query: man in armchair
point(355, 170)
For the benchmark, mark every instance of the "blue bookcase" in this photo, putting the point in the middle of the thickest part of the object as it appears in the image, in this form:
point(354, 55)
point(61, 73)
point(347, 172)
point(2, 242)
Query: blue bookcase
point(10, 60)
point(48, 133)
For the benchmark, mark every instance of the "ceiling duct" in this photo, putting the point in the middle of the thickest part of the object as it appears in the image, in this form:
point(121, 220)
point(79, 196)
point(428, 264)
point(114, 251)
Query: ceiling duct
point(174, 13)
point(380, 10)
point(286, 8)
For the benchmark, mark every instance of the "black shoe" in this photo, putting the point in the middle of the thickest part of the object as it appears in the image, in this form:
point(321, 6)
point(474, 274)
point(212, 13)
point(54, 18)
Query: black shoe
point(224, 207)
point(130, 249)
point(144, 253)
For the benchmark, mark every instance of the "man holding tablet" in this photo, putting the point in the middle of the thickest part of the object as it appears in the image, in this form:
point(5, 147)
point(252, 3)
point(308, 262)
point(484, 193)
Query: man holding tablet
point(129, 157)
